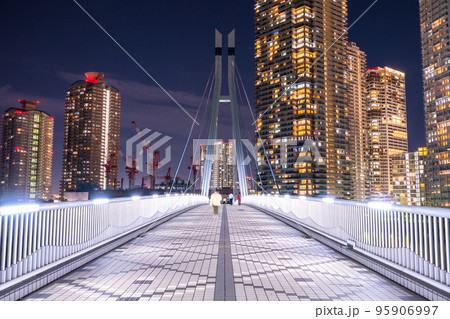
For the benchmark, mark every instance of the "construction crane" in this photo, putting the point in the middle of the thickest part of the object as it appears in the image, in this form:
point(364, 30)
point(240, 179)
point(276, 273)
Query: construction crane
point(167, 178)
point(138, 131)
point(109, 166)
point(154, 165)
point(131, 171)
point(194, 168)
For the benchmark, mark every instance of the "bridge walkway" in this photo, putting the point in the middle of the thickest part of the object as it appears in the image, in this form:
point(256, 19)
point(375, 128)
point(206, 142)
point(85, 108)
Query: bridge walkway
point(242, 254)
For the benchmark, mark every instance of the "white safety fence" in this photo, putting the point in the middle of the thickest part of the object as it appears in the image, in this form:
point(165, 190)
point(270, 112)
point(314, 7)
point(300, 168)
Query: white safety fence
point(416, 238)
point(33, 236)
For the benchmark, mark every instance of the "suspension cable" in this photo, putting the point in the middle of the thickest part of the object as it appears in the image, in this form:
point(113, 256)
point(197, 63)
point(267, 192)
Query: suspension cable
point(257, 130)
point(189, 136)
point(205, 112)
point(251, 112)
point(247, 133)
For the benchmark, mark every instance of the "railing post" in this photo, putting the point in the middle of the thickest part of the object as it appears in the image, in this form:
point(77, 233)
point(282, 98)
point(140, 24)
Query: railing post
point(3, 240)
point(447, 249)
point(425, 245)
point(21, 239)
point(441, 246)
point(42, 239)
point(38, 238)
point(404, 238)
point(15, 246)
point(395, 236)
point(9, 248)
point(436, 248)
point(430, 242)
point(421, 261)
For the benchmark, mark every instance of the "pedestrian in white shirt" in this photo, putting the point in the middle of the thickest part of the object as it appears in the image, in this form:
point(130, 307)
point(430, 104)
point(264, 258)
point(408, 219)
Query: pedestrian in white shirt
point(231, 197)
point(216, 198)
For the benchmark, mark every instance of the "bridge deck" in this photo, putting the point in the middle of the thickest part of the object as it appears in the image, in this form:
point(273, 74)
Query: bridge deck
point(242, 254)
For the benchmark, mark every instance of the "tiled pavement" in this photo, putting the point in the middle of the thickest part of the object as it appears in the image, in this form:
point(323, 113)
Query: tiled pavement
point(242, 254)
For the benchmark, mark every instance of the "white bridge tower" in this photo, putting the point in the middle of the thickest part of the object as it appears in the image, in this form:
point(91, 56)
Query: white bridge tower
point(218, 98)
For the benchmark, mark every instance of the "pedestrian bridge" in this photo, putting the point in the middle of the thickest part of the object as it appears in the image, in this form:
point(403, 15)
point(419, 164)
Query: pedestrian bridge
point(270, 248)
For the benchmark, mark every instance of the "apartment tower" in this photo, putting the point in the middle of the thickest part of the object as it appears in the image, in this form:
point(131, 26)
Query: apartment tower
point(409, 178)
point(223, 165)
point(26, 153)
point(434, 19)
point(357, 97)
point(91, 135)
point(223, 168)
point(388, 134)
point(301, 97)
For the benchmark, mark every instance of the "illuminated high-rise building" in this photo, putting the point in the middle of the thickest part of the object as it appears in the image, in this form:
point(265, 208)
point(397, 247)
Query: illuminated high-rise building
point(409, 178)
point(91, 135)
point(26, 153)
point(387, 122)
point(223, 167)
point(357, 97)
point(434, 19)
point(305, 128)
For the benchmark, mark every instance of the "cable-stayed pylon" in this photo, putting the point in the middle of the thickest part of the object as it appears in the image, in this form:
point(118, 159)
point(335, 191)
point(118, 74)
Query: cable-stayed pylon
point(217, 99)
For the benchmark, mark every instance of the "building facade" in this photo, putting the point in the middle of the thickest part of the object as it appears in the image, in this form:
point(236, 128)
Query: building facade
point(357, 97)
point(301, 97)
point(26, 153)
point(91, 135)
point(435, 33)
point(387, 122)
point(409, 178)
point(223, 167)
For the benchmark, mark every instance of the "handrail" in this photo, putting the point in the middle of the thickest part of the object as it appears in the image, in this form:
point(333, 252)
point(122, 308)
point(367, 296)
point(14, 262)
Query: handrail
point(417, 238)
point(33, 236)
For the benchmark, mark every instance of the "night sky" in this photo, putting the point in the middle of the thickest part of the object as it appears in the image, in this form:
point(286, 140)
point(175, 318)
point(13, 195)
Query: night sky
point(48, 45)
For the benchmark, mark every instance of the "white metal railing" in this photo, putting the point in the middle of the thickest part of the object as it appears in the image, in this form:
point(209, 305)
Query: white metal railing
point(416, 238)
point(32, 236)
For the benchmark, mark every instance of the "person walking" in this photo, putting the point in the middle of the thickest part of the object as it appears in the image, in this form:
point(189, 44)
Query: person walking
point(230, 198)
point(215, 201)
point(239, 198)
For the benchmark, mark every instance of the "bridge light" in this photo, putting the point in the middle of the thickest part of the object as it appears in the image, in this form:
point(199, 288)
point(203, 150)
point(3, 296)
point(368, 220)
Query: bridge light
point(135, 197)
point(18, 209)
point(167, 195)
point(101, 201)
point(380, 205)
point(328, 200)
point(287, 196)
point(302, 197)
